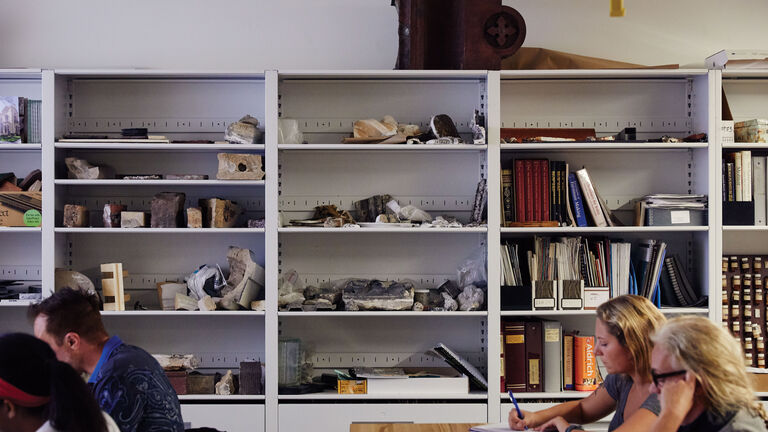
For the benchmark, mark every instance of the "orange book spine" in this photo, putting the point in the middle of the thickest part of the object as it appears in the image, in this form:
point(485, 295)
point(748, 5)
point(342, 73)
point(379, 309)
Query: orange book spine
point(585, 368)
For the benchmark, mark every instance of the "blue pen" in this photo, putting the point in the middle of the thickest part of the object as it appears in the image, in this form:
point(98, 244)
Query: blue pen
point(517, 408)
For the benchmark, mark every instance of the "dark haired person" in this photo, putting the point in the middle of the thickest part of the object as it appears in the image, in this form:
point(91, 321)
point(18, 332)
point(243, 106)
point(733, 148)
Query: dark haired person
point(126, 381)
point(40, 393)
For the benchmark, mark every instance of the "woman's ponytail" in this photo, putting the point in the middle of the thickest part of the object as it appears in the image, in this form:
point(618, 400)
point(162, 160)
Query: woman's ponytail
point(72, 407)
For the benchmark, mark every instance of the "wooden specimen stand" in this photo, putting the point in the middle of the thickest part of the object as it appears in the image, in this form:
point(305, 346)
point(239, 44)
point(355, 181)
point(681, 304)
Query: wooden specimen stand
point(112, 286)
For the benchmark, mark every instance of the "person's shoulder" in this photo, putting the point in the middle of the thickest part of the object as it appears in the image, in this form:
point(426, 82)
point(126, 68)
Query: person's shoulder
point(617, 381)
point(127, 358)
point(745, 421)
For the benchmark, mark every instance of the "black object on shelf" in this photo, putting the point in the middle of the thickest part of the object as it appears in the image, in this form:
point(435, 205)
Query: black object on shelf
point(516, 298)
point(738, 213)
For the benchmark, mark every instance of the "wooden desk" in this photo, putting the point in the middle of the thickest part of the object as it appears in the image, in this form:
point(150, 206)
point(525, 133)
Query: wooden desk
point(412, 427)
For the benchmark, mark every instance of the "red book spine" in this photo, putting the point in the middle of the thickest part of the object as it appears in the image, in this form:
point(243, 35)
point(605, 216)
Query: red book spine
point(515, 370)
point(538, 200)
point(529, 191)
point(520, 191)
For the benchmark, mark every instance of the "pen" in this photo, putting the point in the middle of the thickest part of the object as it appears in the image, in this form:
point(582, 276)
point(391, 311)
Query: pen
point(517, 408)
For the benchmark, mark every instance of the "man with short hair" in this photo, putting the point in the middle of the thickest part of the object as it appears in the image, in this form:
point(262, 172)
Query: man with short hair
point(127, 382)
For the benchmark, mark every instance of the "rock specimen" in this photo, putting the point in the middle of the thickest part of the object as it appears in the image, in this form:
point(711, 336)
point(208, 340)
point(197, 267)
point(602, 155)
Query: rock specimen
point(219, 213)
point(368, 209)
point(451, 288)
point(31, 178)
point(244, 131)
point(255, 223)
point(74, 280)
point(184, 302)
point(237, 166)
point(82, 170)
point(200, 384)
point(112, 215)
point(324, 293)
point(481, 199)
point(290, 290)
point(177, 361)
point(246, 280)
point(206, 304)
point(449, 303)
point(408, 130)
point(186, 177)
point(226, 386)
point(443, 126)
point(166, 293)
point(368, 128)
point(471, 298)
point(132, 219)
point(75, 216)
point(364, 294)
point(168, 210)
point(250, 378)
point(194, 217)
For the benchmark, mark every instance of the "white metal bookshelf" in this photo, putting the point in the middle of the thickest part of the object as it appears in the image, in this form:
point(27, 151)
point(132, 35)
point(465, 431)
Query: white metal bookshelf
point(440, 179)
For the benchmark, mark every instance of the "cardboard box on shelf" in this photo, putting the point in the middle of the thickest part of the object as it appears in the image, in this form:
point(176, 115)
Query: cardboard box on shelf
point(21, 209)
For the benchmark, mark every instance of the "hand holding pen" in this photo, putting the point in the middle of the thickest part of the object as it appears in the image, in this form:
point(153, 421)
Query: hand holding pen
point(516, 418)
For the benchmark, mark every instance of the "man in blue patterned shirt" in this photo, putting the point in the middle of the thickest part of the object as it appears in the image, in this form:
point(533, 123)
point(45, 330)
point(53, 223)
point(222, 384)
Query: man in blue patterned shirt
point(128, 382)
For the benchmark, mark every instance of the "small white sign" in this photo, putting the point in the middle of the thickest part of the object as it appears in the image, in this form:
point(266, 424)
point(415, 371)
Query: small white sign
point(680, 217)
point(726, 131)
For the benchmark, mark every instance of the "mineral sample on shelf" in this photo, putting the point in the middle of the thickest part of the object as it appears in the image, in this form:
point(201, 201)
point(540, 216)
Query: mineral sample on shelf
point(471, 298)
point(250, 378)
point(481, 199)
point(194, 217)
point(177, 361)
point(364, 294)
point(290, 290)
point(75, 216)
point(369, 208)
point(206, 304)
point(132, 219)
point(168, 210)
point(450, 287)
point(368, 128)
point(184, 302)
point(226, 386)
point(322, 214)
point(449, 303)
point(322, 294)
point(82, 170)
point(442, 126)
point(255, 223)
point(142, 177)
point(244, 131)
point(246, 280)
point(111, 215)
point(72, 279)
point(220, 213)
point(236, 166)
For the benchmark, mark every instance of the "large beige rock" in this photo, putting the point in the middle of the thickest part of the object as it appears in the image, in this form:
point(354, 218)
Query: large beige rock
point(75, 216)
point(244, 131)
point(373, 128)
point(235, 166)
point(219, 213)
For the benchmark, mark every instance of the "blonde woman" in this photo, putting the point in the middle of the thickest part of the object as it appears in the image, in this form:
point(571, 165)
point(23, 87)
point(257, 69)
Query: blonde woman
point(623, 330)
point(698, 371)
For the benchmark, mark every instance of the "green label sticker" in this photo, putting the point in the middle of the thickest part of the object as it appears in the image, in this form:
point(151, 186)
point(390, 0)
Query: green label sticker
point(33, 218)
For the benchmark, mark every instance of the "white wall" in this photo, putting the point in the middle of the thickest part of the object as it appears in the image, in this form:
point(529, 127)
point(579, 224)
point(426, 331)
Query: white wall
point(345, 34)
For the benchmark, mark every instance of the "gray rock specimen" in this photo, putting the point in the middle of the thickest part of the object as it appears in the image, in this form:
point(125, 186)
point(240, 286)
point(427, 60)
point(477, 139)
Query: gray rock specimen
point(132, 219)
point(72, 279)
point(450, 287)
point(237, 166)
point(364, 294)
point(255, 223)
point(324, 292)
point(442, 126)
point(194, 217)
point(168, 210)
point(226, 386)
point(82, 170)
point(290, 290)
point(245, 282)
point(471, 298)
point(449, 303)
point(75, 216)
point(112, 215)
point(368, 209)
point(244, 131)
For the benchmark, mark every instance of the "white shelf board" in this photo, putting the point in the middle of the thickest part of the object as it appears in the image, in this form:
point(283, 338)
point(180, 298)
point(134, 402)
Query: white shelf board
point(33, 74)
point(133, 313)
point(386, 147)
point(214, 398)
point(367, 230)
point(746, 146)
point(328, 395)
point(745, 73)
point(158, 146)
point(159, 230)
point(602, 145)
point(671, 311)
point(745, 228)
point(335, 314)
point(603, 230)
point(161, 73)
point(5, 230)
point(382, 74)
point(567, 394)
point(602, 73)
point(116, 182)
point(22, 146)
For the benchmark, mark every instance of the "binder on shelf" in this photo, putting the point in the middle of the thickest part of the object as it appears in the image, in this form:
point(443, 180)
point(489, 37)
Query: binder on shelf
point(553, 364)
point(534, 354)
point(514, 356)
point(460, 364)
point(758, 179)
point(661, 216)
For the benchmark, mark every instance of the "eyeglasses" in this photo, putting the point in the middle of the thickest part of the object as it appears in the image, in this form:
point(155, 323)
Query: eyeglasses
point(659, 378)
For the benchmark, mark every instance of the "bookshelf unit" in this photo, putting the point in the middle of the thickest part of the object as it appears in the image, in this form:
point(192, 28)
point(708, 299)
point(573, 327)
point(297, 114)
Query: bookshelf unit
point(440, 179)
point(20, 254)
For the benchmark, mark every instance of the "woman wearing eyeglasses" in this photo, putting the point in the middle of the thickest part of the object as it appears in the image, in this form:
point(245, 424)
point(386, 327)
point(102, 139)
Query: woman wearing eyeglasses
point(623, 330)
point(698, 372)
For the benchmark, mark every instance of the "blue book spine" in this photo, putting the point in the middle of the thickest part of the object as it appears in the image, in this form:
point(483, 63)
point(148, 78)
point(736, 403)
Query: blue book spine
point(578, 203)
point(656, 298)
